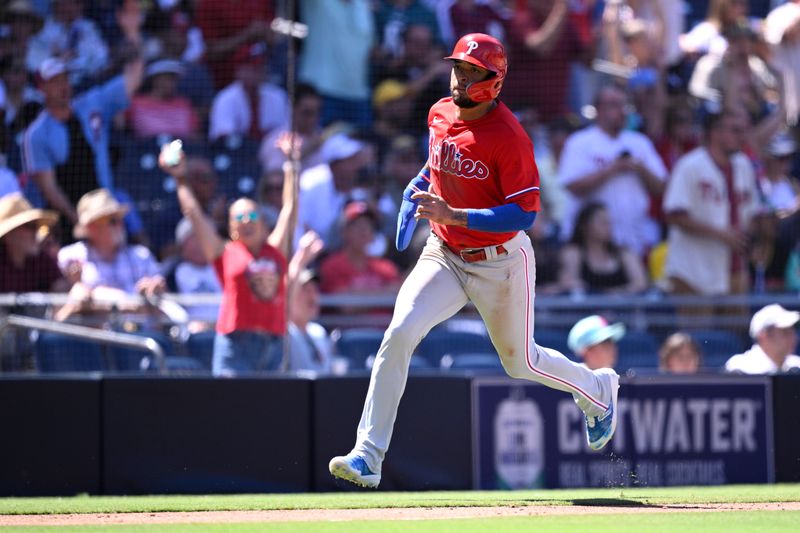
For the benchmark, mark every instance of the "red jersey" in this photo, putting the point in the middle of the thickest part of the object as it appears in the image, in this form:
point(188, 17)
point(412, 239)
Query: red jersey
point(244, 307)
point(338, 274)
point(480, 164)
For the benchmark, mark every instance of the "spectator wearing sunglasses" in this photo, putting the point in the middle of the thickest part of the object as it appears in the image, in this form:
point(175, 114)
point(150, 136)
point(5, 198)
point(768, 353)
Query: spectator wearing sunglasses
point(104, 267)
point(252, 268)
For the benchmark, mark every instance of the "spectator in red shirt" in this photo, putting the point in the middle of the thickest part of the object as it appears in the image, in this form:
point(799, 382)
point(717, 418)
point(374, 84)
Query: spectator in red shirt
point(228, 26)
point(252, 269)
point(161, 109)
point(24, 267)
point(352, 269)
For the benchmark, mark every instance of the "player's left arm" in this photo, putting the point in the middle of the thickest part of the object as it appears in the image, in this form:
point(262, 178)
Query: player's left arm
point(499, 219)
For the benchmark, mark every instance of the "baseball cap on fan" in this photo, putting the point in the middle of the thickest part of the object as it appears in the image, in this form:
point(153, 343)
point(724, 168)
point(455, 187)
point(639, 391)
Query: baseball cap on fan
point(593, 330)
point(772, 316)
point(50, 68)
point(358, 208)
point(340, 146)
point(781, 145)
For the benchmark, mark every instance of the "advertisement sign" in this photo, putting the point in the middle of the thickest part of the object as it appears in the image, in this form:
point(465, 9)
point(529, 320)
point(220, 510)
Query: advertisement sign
point(671, 431)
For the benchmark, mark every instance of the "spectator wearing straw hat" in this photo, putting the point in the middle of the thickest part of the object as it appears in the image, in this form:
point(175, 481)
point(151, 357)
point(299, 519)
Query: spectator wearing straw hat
point(110, 269)
point(594, 340)
point(24, 266)
point(773, 329)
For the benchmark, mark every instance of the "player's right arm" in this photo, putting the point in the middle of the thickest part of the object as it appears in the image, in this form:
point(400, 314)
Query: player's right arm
point(406, 221)
point(204, 229)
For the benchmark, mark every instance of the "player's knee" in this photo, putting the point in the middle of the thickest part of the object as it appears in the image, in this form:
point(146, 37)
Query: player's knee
point(403, 335)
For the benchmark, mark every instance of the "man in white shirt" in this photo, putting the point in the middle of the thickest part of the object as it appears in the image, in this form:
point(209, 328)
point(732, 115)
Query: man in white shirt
point(709, 204)
point(782, 33)
point(617, 167)
point(249, 106)
point(326, 188)
point(773, 329)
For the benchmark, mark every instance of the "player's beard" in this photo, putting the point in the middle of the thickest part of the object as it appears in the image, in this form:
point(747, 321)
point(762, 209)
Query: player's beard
point(462, 100)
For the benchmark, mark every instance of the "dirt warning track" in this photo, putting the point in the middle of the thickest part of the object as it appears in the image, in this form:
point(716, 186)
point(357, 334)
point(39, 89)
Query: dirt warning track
point(344, 515)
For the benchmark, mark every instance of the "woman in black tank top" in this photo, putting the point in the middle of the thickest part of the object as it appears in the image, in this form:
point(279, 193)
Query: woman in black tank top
point(593, 262)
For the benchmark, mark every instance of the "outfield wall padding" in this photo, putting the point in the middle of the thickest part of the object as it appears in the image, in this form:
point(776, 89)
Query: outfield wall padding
point(786, 402)
point(431, 447)
point(205, 435)
point(50, 436)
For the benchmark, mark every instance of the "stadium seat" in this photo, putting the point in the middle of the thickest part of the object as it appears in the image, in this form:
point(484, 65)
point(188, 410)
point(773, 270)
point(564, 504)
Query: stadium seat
point(59, 353)
point(357, 345)
point(473, 361)
point(717, 346)
point(235, 159)
point(138, 173)
point(441, 340)
point(125, 359)
point(555, 339)
point(200, 346)
point(637, 349)
point(181, 364)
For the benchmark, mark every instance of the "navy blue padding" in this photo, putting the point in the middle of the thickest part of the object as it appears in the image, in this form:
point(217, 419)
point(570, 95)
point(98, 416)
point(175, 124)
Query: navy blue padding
point(200, 346)
point(59, 353)
point(555, 339)
point(440, 341)
point(474, 361)
point(357, 344)
point(717, 346)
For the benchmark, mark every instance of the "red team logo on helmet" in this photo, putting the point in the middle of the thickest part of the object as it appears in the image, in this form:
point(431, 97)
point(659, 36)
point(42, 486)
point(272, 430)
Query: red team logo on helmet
point(486, 52)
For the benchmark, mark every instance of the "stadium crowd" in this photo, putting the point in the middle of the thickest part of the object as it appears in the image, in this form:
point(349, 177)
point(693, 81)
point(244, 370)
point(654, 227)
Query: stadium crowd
point(666, 149)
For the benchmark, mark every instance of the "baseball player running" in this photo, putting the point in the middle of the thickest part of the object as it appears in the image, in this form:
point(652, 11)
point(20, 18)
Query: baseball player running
point(480, 191)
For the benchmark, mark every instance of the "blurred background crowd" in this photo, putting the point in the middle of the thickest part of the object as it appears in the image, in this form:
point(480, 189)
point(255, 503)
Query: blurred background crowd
point(665, 134)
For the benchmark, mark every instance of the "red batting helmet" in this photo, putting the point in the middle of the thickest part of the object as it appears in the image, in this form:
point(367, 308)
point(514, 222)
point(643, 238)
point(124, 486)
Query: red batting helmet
point(487, 52)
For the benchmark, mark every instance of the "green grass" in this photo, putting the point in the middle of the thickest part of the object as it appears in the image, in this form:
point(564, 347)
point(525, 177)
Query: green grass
point(729, 522)
point(354, 500)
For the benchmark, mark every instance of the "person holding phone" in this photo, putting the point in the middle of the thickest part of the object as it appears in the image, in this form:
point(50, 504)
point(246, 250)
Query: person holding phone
point(612, 165)
point(251, 267)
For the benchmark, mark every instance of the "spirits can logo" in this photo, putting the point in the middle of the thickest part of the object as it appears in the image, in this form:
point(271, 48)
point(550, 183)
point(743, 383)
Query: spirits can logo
point(519, 443)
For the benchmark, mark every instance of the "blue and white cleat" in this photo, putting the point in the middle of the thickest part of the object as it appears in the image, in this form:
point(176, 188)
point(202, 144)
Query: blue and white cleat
point(600, 429)
point(353, 468)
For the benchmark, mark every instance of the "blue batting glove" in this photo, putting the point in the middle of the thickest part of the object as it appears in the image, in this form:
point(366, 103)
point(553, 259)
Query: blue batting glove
point(406, 223)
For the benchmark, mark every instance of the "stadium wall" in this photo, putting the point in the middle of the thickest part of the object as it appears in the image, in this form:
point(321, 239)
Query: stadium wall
point(146, 435)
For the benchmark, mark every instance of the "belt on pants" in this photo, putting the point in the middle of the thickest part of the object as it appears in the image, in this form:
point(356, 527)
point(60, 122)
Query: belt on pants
point(473, 255)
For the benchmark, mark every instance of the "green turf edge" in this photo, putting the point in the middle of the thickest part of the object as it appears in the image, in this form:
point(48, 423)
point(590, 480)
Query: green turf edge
point(727, 522)
point(355, 500)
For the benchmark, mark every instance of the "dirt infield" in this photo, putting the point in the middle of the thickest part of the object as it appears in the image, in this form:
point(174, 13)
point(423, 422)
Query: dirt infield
point(343, 515)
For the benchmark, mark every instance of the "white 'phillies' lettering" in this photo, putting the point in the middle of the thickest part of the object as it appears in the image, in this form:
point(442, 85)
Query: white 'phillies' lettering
point(471, 45)
point(445, 157)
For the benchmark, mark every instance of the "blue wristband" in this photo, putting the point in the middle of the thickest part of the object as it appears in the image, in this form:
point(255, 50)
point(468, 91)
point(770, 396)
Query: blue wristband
point(510, 217)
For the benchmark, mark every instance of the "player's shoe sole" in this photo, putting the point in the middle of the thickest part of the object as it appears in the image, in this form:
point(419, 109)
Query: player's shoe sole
point(354, 469)
point(599, 430)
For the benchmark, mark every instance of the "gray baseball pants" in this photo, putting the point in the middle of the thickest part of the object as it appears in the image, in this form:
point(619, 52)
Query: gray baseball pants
point(502, 289)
